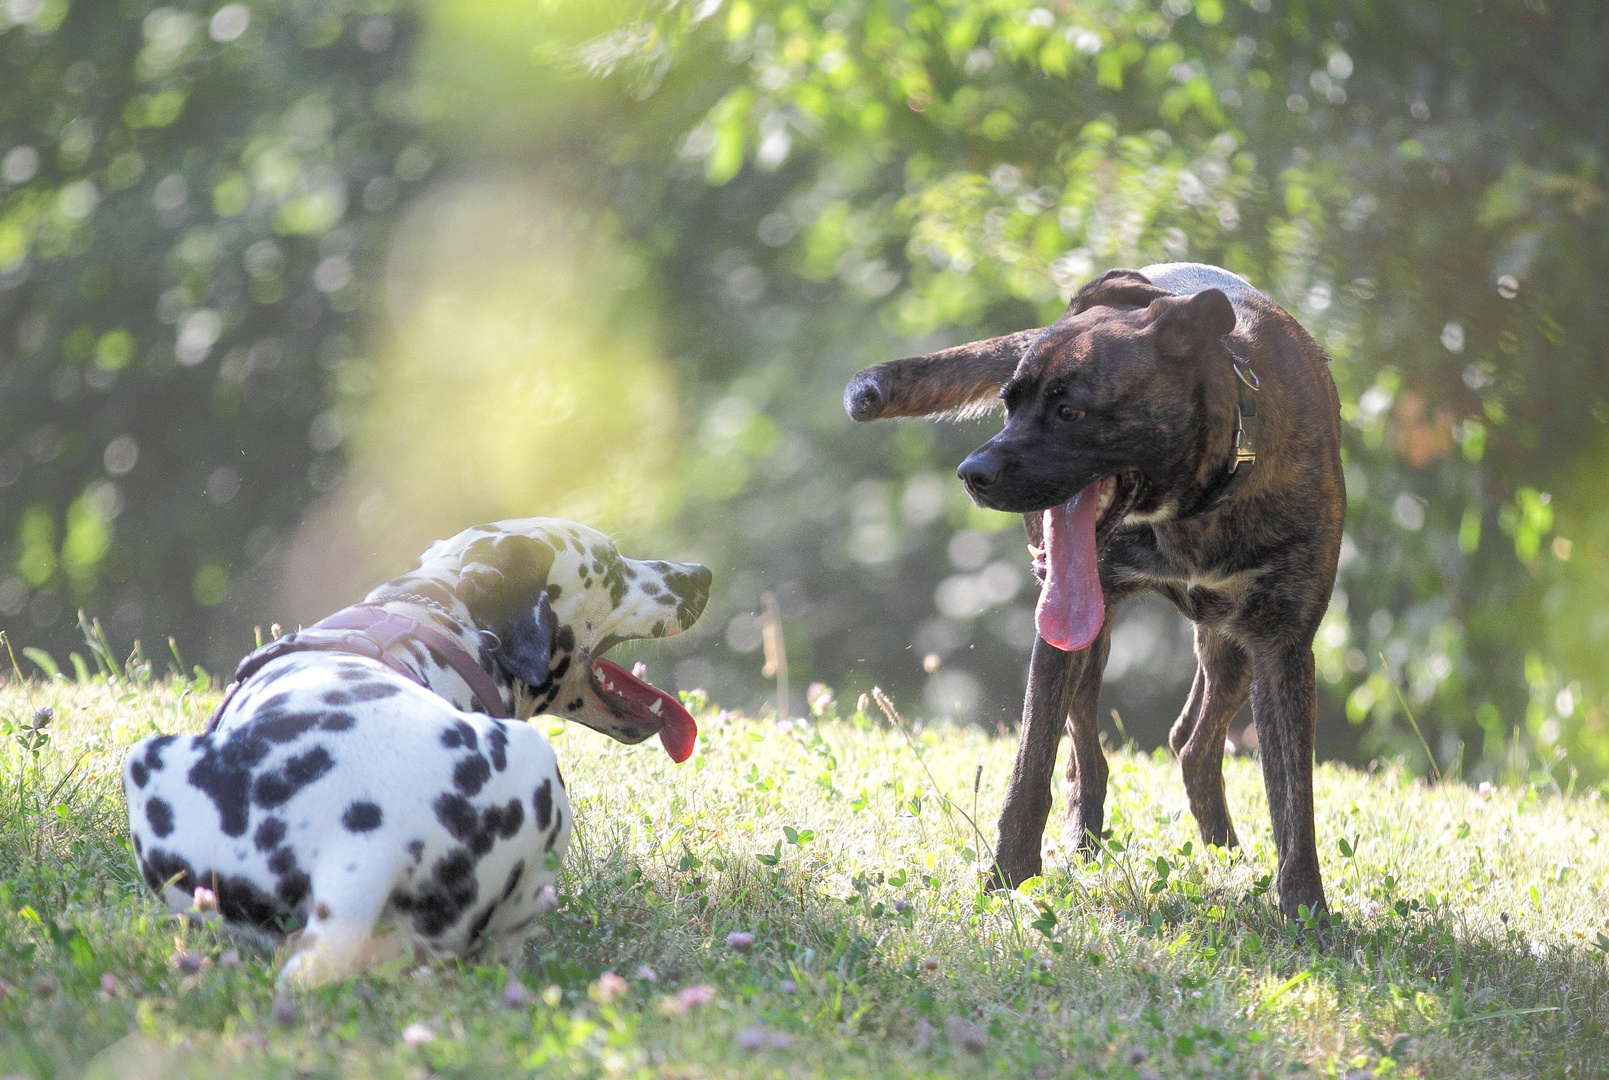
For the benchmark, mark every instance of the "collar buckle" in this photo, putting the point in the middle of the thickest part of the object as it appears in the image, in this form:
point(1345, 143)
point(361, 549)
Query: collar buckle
point(1246, 422)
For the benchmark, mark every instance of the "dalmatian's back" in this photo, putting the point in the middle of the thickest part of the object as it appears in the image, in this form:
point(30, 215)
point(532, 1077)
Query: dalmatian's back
point(345, 794)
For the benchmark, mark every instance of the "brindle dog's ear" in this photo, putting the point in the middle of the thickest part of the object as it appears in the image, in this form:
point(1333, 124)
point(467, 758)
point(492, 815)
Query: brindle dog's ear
point(1184, 324)
point(956, 384)
point(500, 578)
point(525, 645)
point(1116, 288)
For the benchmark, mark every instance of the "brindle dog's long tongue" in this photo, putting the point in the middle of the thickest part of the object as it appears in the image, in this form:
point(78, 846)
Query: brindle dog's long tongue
point(1071, 608)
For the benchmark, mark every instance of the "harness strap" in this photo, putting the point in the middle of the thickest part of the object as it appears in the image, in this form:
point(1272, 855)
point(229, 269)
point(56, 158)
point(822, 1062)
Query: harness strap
point(371, 631)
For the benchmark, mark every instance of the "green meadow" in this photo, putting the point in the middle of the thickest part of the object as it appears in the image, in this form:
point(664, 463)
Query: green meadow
point(1469, 938)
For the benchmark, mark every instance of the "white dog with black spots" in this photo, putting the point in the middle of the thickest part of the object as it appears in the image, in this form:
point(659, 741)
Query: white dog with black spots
point(374, 798)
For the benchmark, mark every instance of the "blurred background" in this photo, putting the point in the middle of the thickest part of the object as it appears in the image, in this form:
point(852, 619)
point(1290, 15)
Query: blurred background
point(290, 288)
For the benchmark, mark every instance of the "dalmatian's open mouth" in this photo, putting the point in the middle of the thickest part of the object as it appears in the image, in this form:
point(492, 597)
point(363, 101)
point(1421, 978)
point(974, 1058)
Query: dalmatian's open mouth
point(645, 708)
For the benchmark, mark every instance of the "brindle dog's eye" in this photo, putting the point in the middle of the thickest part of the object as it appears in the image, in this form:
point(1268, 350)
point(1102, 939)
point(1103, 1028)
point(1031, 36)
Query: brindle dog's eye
point(1068, 413)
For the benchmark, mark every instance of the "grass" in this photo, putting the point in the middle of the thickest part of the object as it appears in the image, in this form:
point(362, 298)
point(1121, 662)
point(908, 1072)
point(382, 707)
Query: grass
point(1470, 940)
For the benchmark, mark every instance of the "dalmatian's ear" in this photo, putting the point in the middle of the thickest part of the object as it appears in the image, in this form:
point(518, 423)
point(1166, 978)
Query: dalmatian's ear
point(500, 578)
point(525, 645)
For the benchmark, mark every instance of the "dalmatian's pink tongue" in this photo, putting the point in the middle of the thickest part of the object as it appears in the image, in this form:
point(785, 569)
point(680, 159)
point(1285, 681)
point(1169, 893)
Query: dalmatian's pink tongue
point(1071, 607)
point(648, 703)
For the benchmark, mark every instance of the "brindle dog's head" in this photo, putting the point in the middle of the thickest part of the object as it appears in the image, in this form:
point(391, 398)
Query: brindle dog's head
point(1115, 389)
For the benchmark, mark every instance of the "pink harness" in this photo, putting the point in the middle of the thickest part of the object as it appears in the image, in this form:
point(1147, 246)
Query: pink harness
point(371, 631)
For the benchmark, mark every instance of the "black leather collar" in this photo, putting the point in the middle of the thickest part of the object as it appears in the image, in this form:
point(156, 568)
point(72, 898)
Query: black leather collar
point(1247, 428)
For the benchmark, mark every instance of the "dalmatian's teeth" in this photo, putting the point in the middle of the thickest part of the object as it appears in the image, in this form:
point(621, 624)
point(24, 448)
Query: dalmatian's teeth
point(655, 707)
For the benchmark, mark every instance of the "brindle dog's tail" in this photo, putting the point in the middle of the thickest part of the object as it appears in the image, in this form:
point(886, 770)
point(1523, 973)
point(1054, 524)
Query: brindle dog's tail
point(953, 384)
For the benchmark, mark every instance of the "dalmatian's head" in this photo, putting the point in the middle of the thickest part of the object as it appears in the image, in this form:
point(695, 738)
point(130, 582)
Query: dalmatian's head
point(547, 598)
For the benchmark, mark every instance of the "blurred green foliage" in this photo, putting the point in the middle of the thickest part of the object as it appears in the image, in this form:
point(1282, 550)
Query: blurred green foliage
point(193, 237)
point(187, 197)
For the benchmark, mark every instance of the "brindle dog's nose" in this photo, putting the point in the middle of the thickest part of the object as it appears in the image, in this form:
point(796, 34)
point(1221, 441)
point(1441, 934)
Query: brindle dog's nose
point(978, 472)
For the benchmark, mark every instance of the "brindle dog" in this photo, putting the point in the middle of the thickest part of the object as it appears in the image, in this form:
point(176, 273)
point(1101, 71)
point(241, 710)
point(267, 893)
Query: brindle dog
point(1138, 406)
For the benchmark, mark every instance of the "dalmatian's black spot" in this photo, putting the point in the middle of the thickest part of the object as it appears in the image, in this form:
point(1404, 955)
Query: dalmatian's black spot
point(361, 817)
point(659, 627)
point(506, 820)
point(471, 774)
point(160, 814)
point(281, 727)
point(269, 678)
point(575, 705)
point(564, 640)
point(514, 876)
point(270, 834)
point(459, 734)
point(497, 747)
point(478, 831)
point(240, 900)
point(293, 883)
point(555, 591)
point(454, 868)
point(337, 697)
point(160, 867)
point(223, 774)
point(139, 773)
point(353, 673)
point(276, 787)
point(478, 927)
point(138, 846)
point(558, 825)
point(338, 721)
point(457, 815)
point(542, 802)
point(691, 590)
point(153, 751)
point(443, 899)
point(416, 848)
point(374, 691)
point(282, 861)
point(275, 703)
point(293, 888)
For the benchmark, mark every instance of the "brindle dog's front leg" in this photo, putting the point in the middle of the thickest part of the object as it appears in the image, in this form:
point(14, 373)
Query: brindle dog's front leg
point(1284, 701)
point(1223, 680)
point(1027, 805)
point(1064, 692)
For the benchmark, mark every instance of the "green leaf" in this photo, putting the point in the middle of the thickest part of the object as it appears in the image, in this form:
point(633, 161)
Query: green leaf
point(80, 952)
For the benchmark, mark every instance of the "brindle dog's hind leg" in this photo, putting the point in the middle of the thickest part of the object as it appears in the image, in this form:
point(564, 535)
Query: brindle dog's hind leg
point(1223, 681)
point(1086, 766)
point(1284, 700)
